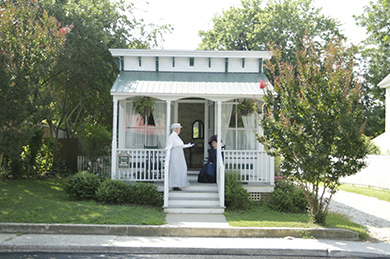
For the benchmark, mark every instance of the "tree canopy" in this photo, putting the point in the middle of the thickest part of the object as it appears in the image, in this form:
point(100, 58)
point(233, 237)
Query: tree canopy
point(376, 52)
point(313, 119)
point(31, 41)
point(256, 22)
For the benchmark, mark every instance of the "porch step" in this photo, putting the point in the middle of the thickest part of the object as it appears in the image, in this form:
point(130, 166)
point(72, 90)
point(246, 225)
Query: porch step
point(196, 198)
point(198, 210)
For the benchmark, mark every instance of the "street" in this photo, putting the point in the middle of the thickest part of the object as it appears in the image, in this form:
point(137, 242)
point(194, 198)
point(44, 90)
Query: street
point(159, 256)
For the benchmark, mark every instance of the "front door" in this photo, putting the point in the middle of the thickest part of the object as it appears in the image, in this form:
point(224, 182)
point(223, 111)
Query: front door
point(191, 115)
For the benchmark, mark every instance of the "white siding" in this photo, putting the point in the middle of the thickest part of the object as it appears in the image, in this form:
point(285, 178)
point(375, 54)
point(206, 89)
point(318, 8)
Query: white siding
point(132, 64)
point(183, 65)
point(376, 174)
point(250, 66)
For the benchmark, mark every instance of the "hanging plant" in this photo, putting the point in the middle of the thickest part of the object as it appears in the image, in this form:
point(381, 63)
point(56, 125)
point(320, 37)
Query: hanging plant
point(144, 106)
point(246, 107)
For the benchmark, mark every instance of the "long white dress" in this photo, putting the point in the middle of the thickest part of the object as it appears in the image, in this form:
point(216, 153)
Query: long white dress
point(177, 161)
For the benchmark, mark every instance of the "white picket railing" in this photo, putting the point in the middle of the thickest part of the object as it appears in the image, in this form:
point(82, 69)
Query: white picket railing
point(254, 166)
point(148, 165)
point(141, 165)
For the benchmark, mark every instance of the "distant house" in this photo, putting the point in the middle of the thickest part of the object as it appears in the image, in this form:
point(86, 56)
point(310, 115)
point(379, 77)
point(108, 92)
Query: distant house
point(202, 91)
point(383, 141)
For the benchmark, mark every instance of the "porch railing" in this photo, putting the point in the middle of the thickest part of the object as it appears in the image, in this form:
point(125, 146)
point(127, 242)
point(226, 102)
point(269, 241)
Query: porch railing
point(141, 165)
point(254, 166)
point(148, 165)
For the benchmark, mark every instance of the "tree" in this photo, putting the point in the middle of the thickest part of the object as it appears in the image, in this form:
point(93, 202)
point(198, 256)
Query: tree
point(83, 78)
point(376, 52)
point(30, 42)
point(255, 23)
point(313, 120)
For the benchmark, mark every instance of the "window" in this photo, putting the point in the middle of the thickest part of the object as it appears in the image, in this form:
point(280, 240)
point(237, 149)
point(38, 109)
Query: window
point(149, 131)
point(237, 128)
point(197, 130)
point(192, 62)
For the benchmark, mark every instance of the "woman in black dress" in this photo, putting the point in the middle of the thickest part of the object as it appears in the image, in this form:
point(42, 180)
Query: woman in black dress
point(208, 172)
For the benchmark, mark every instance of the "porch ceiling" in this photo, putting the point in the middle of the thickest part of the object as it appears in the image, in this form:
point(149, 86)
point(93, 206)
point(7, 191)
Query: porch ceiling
point(168, 85)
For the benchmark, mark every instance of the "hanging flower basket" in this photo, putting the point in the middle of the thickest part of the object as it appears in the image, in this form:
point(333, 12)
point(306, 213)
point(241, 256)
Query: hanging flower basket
point(246, 107)
point(144, 106)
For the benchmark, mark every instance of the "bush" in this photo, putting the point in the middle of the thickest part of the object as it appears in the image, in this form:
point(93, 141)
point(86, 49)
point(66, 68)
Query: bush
point(287, 197)
point(236, 197)
point(114, 192)
point(82, 186)
point(145, 194)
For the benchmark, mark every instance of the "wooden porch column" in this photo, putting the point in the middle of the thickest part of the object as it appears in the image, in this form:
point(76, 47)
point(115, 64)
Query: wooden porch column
point(114, 139)
point(221, 183)
point(166, 170)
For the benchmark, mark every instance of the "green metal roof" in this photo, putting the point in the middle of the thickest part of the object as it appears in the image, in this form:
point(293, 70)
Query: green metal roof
point(186, 84)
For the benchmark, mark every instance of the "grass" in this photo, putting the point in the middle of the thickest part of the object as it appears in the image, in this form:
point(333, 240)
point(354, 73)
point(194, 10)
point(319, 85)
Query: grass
point(261, 216)
point(44, 201)
point(380, 194)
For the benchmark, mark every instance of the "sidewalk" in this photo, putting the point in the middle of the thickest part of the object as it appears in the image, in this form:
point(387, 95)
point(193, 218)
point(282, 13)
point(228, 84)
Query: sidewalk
point(189, 245)
point(186, 234)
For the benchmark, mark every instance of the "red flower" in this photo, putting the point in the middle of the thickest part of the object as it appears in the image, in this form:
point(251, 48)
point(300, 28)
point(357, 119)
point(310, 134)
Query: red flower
point(63, 30)
point(263, 84)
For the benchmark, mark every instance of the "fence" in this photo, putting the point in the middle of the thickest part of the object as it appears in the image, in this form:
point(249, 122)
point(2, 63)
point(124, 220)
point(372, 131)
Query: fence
point(376, 174)
point(101, 166)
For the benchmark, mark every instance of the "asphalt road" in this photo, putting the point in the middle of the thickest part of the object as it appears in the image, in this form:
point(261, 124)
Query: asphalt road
point(153, 256)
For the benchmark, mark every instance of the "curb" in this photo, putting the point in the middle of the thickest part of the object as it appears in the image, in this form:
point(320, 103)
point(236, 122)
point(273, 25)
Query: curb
point(174, 231)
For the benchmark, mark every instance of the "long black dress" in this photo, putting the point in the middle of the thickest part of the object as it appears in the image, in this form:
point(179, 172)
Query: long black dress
point(208, 172)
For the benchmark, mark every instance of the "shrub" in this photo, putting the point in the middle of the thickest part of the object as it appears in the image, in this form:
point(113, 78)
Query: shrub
point(145, 194)
point(114, 192)
point(236, 197)
point(287, 197)
point(82, 185)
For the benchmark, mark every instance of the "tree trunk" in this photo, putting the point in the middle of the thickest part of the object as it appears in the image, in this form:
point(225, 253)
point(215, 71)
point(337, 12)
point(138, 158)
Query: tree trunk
point(1, 159)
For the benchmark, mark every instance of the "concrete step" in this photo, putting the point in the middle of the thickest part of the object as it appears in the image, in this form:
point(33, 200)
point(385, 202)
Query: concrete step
point(193, 201)
point(202, 187)
point(197, 210)
point(191, 194)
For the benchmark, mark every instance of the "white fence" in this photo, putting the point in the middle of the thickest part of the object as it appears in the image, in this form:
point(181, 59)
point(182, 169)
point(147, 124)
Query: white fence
point(376, 174)
point(100, 166)
point(254, 166)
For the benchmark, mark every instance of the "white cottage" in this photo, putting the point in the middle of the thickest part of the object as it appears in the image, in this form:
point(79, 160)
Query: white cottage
point(383, 140)
point(201, 90)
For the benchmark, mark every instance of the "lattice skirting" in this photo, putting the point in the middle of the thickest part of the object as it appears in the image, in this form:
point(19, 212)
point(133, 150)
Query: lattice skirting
point(258, 196)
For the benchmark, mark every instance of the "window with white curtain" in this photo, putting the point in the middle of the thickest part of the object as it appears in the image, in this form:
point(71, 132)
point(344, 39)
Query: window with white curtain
point(237, 129)
point(149, 131)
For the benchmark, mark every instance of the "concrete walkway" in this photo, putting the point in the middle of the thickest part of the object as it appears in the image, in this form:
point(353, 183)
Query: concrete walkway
point(197, 220)
point(189, 245)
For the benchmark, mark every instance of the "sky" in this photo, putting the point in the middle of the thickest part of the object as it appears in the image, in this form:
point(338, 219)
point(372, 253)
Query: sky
point(190, 16)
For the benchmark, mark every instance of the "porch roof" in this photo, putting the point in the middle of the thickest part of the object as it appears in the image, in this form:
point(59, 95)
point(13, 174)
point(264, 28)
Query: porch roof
point(175, 85)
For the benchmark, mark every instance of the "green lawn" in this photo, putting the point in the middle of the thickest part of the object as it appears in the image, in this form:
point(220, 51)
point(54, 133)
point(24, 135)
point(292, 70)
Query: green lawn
point(380, 194)
point(261, 216)
point(44, 201)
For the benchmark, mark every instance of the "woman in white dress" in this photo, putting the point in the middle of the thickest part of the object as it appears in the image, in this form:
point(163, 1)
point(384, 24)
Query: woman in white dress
point(177, 162)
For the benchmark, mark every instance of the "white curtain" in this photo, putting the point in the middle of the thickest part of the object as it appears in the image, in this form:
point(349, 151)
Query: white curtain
point(246, 138)
point(156, 134)
point(138, 135)
point(135, 129)
point(227, 109)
